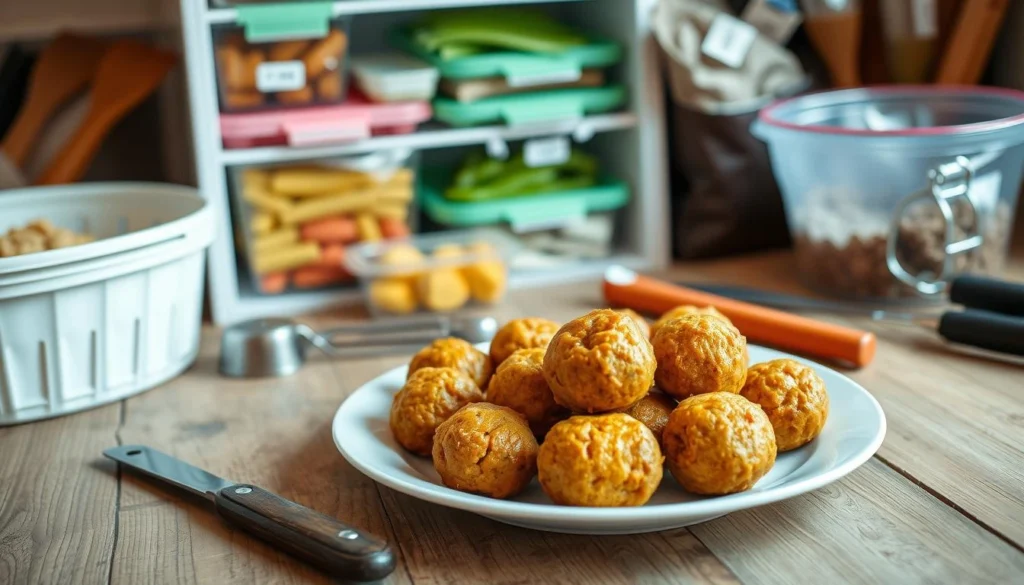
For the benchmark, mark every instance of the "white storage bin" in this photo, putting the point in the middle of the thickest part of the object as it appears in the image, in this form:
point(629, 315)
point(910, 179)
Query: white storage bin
point(95, 323)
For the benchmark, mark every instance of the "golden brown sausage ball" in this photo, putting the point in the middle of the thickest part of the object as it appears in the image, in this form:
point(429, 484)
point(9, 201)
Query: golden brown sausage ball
point(698, 354)
point(644, 325)
point(718, 443)
point(653, 410)
point(606, 460)
point(519, 384)
point(599, 362)
point(794, 398)
point(485, 449)
point(517, 334)
point(429, 397)
point(685, 310)
point(455, 353)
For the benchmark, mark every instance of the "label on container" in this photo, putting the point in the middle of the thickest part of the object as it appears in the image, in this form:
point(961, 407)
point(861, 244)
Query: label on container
point(280, 76)
point(925, 19)
point(546, 152)
point(728, 40)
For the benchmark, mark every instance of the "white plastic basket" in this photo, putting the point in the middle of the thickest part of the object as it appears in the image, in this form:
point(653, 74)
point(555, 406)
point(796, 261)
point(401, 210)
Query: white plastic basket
point(95, 323)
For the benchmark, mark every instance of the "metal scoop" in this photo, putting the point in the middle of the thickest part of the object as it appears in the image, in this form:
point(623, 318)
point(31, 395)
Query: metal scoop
point(277, 347)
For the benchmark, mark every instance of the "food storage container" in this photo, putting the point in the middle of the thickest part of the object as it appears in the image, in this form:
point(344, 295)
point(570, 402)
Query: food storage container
point(394, 77)
point(281, 56)
point(889, 192)
point(354, 120)
point(94, 323)
point(296, 220)
point(531, 108)
point(439, 272)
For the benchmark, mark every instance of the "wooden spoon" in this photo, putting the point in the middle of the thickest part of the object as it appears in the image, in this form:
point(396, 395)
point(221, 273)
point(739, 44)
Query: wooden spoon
point(128, 73)
point(62, 70)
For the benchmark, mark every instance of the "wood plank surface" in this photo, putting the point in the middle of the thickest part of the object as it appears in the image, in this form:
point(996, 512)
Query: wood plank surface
point(58, 499)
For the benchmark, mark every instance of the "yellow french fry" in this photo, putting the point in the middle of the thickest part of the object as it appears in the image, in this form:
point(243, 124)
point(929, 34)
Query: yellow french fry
point(392, 210)
point(285, 258)
point(262, 223)
point(264, 201)
point(369, 229)
point(277, 239)
point(318, 207)
point(314, 181)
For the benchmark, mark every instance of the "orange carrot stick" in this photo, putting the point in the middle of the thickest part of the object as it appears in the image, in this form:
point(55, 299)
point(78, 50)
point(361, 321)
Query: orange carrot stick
point(330, 230)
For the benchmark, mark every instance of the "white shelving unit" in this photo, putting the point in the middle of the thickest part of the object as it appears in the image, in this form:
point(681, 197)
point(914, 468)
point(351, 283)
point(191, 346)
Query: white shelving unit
point(637, 154)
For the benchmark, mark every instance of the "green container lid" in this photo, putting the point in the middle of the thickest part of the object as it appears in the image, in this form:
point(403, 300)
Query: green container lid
point(520, 69)
point(541, 106)
point(525, 213)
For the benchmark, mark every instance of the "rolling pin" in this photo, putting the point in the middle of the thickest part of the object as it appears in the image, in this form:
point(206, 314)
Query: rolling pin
point(625, 288)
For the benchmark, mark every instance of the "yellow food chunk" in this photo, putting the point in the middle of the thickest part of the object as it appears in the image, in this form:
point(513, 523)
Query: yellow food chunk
point(448, 251)
point(444, 289)
point(285, 258)
point(273, 241)
point(394, 295)
point(369, 229)
point(487, 281)
point(262, 223)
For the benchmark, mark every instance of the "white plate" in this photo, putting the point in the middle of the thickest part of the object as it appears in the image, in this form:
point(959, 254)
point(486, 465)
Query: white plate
point(854, 431)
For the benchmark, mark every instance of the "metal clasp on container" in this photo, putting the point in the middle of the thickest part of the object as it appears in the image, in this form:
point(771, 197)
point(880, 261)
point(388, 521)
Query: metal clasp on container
point(945, 183)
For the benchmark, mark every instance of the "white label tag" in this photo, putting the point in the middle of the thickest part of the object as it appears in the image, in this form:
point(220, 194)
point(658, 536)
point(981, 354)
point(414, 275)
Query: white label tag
point(532, 79)
point(926, 22)
point(778, 25)
point(728, 40)
point(280, 76)
point(545, 152)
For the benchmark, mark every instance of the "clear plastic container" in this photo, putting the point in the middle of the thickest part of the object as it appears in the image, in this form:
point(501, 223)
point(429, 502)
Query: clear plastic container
point(394, 77)
point(890, 192)
point(439, 272)
point(294, 221)
point(266, 68)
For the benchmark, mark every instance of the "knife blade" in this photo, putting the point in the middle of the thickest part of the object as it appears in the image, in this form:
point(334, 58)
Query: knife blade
point(340, 550)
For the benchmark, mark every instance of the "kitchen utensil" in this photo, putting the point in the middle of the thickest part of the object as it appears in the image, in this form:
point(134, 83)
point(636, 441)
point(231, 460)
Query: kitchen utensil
point(341, 550)
point(95, 323)
point(891, 191)
point(63, 69)
point(277, 347)
point(855, 429)
point(974, 35)
point(993, 319)
point(834, 27)
point(625, 288)
point(127, 73)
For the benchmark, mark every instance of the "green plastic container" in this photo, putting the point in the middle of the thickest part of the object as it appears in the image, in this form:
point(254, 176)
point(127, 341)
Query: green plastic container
point(525, 213)
point(520, 69)
point(542, 106)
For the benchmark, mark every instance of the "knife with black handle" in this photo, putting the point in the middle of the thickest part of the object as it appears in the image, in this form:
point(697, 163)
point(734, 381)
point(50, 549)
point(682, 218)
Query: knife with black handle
point(338, 549)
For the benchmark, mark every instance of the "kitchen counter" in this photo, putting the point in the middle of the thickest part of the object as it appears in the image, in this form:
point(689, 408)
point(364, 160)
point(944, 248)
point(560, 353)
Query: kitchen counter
point(943, 501)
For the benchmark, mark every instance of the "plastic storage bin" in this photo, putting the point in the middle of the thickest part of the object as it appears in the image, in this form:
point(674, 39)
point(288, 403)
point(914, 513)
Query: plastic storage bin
point(526, 108)
point(439, 272)
point(890, 192)
point(393, 77)
point(281, 56)
point(95, 323)
point(296, 220)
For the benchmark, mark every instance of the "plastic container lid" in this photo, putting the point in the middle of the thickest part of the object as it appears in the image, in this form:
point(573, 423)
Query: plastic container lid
point(395, 77)
point(524, 108)
point(524, 213)
point(357, 118)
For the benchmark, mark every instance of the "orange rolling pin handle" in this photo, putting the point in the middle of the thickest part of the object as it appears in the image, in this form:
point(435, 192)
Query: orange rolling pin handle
point(760, 324)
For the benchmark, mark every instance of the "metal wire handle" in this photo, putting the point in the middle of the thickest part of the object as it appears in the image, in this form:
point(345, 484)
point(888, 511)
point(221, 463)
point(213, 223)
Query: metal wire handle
point(945, 183)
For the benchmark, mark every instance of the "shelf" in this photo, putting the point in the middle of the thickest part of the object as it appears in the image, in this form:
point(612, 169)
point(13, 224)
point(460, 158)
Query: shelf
point(429, 136)
point(224, 15)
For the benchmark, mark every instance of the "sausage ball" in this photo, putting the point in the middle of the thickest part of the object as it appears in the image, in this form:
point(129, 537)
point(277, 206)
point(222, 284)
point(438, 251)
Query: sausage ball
point(599, 362)
point(517, 334)
point(519, 384)
point(429, 397)
point(794, 398)
point(485, 449)
point(718, 443)
point(698, 354)
point(644, 325)
point(606, 460)
point(454, 353)
point(653, 410)
point(685, 310)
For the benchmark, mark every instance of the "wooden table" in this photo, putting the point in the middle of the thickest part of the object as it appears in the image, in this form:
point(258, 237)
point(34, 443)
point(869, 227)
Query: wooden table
point(943, 501)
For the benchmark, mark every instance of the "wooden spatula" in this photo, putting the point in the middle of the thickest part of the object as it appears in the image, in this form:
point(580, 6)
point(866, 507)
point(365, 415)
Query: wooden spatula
point(62, 70)
point(127, 74)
